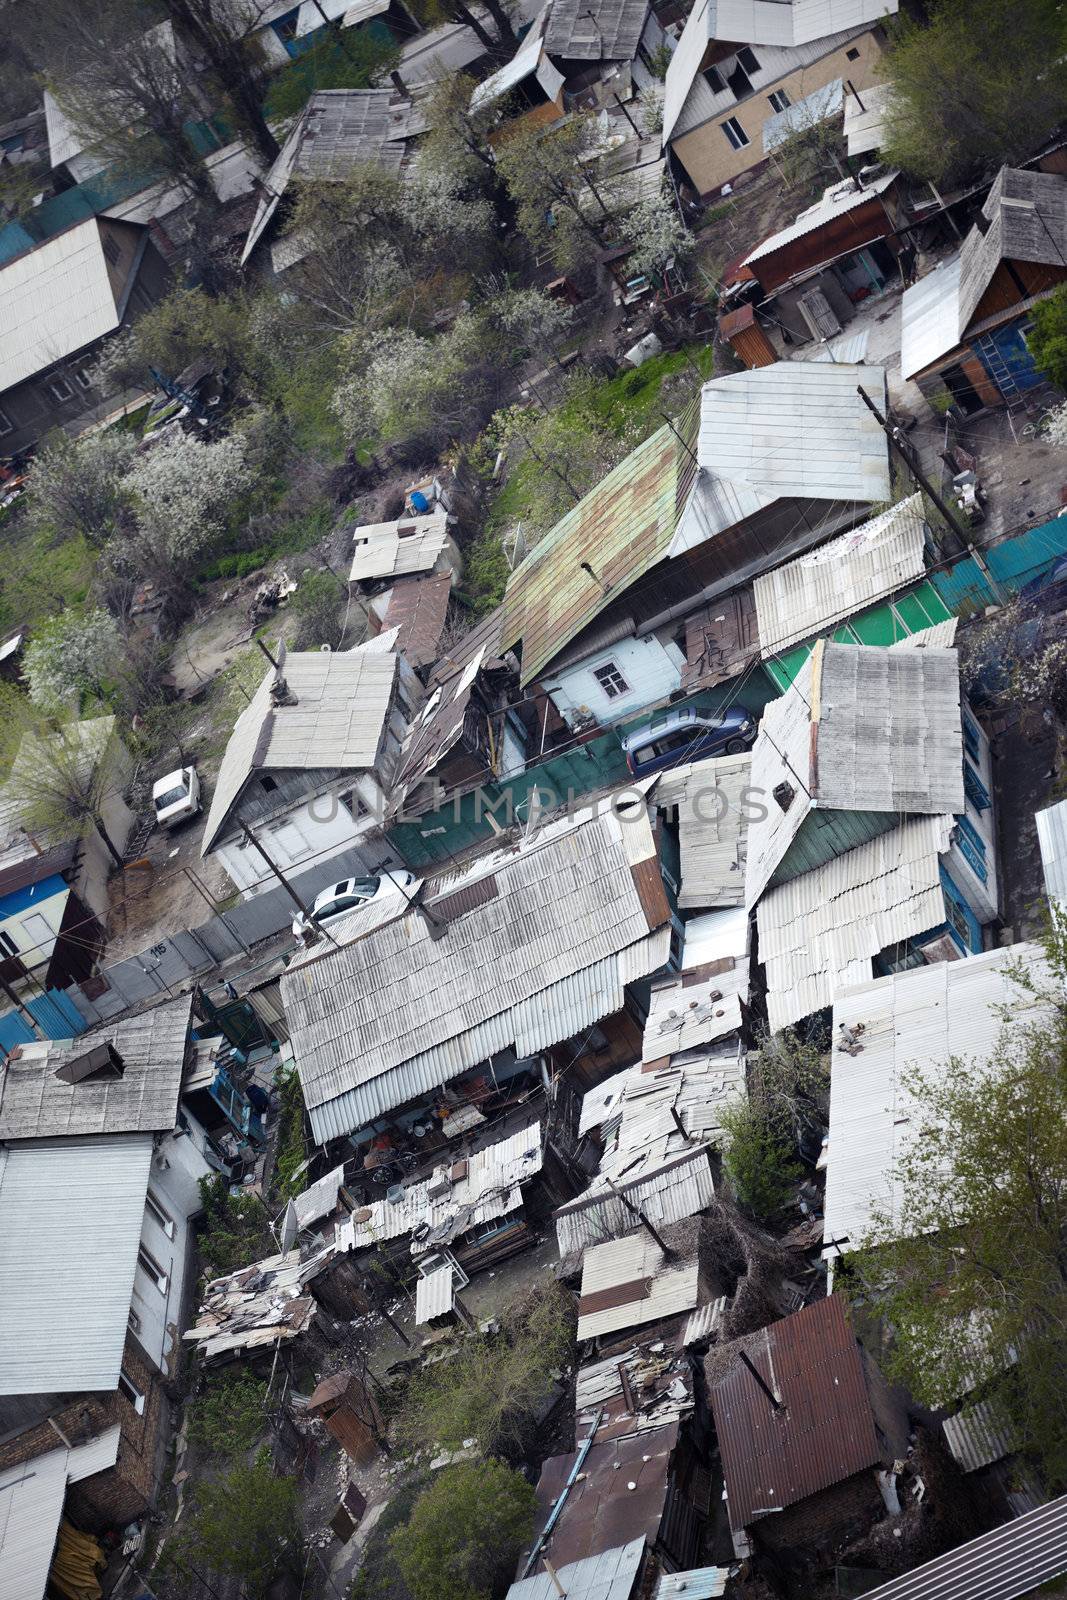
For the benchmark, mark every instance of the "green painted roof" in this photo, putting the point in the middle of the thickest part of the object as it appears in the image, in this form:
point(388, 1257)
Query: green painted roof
point(620, 529)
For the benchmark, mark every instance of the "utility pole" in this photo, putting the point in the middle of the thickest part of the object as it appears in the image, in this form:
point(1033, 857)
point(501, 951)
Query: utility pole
point(284, 881)
point(966, 547)
point(643, 1220)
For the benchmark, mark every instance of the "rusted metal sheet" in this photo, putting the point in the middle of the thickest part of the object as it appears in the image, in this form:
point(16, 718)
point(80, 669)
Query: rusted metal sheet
point(619, 1496)
point(648, 881)
point(418, 607)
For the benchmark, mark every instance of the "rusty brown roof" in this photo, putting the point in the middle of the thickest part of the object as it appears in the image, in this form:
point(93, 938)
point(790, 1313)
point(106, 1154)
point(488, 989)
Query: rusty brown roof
point(825, 1429)
point(620, 529)
point(418, 607)
point(602, 1510)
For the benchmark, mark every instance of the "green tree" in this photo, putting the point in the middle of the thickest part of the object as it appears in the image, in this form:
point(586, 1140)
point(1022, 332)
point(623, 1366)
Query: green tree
point(976, 1296)
point(551, 177)
point(243, 1525)
point(235, 1231)
point(1048, 338)
point(432, 13)
point(788, 1086)
point(64, 775)
point(981, 84)
point(758, 1159)
point(489, 1388)
point(318, 610)
point(187, 326)
point(76, 485)
point(465, 1532)
point(228, 1417)
point(214, 26)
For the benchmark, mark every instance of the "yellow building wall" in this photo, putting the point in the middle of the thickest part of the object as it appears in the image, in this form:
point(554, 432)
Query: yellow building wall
point(706, 153)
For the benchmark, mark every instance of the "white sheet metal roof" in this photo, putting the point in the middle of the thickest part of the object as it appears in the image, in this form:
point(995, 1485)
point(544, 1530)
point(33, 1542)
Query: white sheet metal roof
point(938, 636)
point(491, 1187)
point(538, 943)
point(320, 1200)
point(71, 1212)
point(923, 1017)
point(611, 1575)
point(336, 721)
point(393, 549)
point(31, 1506)
point(819, 106)
point(838, 199)
point(1052, 838)
point(699, 1583)
point(712, 828)
point(1013, 1560)
point(434, 1294)
point(793, 429)
point(54, 301)
point(819, 589)
point(929, 318)
point(979, 1435)
point(793, 22)
point(659, 1287)
point(819, 933)
point(524, 62)
point(697, 1011)
point(865, 129)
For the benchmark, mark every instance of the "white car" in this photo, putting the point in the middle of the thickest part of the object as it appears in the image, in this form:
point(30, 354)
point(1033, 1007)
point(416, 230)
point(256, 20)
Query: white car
point(350, 894)
point(176, 797)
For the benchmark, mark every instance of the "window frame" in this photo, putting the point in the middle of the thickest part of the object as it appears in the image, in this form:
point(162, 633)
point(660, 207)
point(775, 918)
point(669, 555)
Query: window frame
point(731, 130)
point(748, 61)
point(151, 1268)
point(776, 95)
point(54, 386)
point(130, 1392)
point(6, 424)
point(155, 1207)
point(613, 684)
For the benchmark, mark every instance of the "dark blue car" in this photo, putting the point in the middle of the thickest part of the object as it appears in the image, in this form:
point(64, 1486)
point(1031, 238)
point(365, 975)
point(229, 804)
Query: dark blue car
point(681, 736)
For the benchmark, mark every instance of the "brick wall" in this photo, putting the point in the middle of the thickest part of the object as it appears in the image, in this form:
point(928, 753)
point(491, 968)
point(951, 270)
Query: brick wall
point(827, 1518)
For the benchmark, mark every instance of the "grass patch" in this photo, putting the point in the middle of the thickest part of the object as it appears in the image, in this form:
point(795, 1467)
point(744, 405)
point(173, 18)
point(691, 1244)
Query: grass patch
point(293, 538)
point(352, 59)
point(632, 399)
point(43, 576)
point(291, 1150)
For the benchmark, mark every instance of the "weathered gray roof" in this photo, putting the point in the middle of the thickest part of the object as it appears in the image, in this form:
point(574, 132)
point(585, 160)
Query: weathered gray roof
point(818, 933)
point(659, 1382)
point(341, 704)
point(865, 124)
point(595, 30)
point(822, 587)
point(796, 429)
point(1027, 216)
point(792, 22)
point(611, 1575)
point(391, 549)
point(532, 943)
point(923, 1018)
point(861, 729)
point(71, 1213)
point(337, 131)
point(629, 1282)
point(712, 828)
point(35, 1104)
point(264, 1304)
point(31, 1506)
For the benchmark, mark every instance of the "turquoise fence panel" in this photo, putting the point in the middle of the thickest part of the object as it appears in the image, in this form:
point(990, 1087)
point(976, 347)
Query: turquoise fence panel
point(57, 1015)
point(1014, 563)
point(14, 1029)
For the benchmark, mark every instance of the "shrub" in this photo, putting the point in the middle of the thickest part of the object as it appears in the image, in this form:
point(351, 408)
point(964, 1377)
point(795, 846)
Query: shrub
point(465, 1533)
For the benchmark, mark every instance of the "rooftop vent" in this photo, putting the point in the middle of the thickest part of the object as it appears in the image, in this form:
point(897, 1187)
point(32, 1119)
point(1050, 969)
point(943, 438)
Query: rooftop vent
point(98, 1065)
point(784, 794)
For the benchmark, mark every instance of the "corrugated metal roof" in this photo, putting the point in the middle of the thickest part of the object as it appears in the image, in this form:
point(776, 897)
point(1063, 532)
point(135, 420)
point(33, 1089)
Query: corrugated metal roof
point(712, 828)
point(929, 318)
point(36, 1104)
point(699, 1583)
point(71, 1213)
point(95, 1455)
point(410, 1005)
point(31, 1505)
point(336, 721)
point(794, 22)
point(939, 636)
point(620, 529)
point(822, 587)
point(604, 30)
point(821, 104)
point(658, 1390)
point(688, 1013)
point(640, 1283)
point(1011, 1561)
point(979, 1435)
point(434, 1294)
point(1027, 216)
point(393, 549)
point(1052, 838)
point(54, 301)
point(610, 1575)
point(257, 1306)
point(824, 1430)
point(863, 729)
point(705, 1321)
point(923, 1017)
point(418, 609)
point(320, 1200)
point(819, 933)
point(865, 126)
point(795, 429)
point(524, 62)
point(621, 1491)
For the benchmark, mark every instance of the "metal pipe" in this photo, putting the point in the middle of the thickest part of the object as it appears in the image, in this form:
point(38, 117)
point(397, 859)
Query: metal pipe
point(572, 1479)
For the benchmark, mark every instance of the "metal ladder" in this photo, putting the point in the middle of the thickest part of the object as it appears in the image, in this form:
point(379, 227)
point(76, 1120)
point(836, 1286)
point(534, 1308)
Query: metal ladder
point(1003, 377)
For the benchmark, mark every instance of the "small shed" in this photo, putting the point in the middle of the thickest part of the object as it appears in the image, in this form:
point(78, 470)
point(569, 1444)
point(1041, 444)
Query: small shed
point(350, 1413)
point(746, 338)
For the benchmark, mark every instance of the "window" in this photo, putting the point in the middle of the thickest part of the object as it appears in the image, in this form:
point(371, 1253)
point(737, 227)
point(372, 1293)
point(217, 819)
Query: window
point(162, 1216)
point(735, 134)
point(852, 55)
point(714, 80)
point(972, 739)
point(972, 847)
point(268, 784)
point(779, 100)
point(975, 789)
point(8, 945)
point(6, 424)
point(60, 389)
point(148, 1261)
point(746, 58)
point(83, 379)
point(128, 1388)
point(611, 680)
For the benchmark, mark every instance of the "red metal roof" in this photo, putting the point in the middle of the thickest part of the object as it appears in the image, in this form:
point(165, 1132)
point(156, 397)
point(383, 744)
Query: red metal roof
point(619, 1495)
point(418, 607)
point(824, 1431)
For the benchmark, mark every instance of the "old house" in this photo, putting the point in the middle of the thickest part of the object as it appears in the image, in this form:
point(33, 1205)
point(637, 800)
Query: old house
point(600, 611)
point(805, 1422)
point(284, 30)
point(91, 280)
point(310, 762)
point(646, 1278)
point(878, 842)
point(452, 999)
point(963, 326)
point(48, 936)
point(97, 1174)
point(747, 74)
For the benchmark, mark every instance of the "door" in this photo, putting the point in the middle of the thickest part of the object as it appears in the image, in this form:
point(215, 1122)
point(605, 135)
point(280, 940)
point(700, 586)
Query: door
point(962, 390)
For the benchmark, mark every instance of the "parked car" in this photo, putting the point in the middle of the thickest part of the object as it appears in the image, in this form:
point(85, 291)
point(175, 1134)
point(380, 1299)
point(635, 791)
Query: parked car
point(682, 736)
point(176, 797)
point(1048, 593)
point(350, 894)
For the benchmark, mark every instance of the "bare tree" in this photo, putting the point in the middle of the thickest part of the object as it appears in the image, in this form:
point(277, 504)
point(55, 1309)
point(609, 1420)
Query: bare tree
point(63, 776)
point(216, 27)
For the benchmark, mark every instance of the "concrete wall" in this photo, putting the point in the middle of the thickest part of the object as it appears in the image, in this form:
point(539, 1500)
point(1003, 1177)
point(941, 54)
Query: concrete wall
point(177, 1165)
point(651, 669)
point(707, 155)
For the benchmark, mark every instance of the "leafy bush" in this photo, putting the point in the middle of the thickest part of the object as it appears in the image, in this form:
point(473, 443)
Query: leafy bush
point(235, 1231)
point(318, 608)
point(758, 1160)
point(465, 1533)
point(227, 1418)
point(244, 1525)
point(291, 1148)
point(354, 61)
point(1048, 340)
